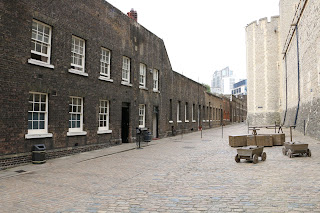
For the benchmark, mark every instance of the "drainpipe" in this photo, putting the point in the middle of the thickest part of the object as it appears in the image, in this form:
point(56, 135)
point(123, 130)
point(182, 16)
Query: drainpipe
point(297, 35)
point(286, 68)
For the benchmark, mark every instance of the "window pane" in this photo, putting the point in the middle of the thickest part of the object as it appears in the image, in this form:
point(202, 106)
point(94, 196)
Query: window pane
point(30, 116)
point(34, 25)
point(35, 116)
point(36, 107)
point(43, 107)
point(40, 27)
point(46, 30)
point(78, 124)
point(38, 47)
point(36, 97)
point(41, 124)
point(29, 124)
point(44, 49)
point(42, 116)
point(35, 125)
point(30, 107)
point(73, 125)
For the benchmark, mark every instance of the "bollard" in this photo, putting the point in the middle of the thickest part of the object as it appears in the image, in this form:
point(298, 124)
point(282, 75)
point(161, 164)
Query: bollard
point(222, 130)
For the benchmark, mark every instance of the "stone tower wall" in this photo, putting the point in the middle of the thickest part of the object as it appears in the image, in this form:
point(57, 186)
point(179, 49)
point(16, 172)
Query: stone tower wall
point(309, 68)
point(262, 41)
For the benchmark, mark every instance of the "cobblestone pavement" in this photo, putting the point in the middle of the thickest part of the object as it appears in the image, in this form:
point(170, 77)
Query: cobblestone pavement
point(179, 174)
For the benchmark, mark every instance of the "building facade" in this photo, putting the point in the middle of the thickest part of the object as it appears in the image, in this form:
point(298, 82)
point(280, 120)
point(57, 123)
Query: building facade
point(80, 75)
point(240, 88)
point(222, 81)
point(285, 72)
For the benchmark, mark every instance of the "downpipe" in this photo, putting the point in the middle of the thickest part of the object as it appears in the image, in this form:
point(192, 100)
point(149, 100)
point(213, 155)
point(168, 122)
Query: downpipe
point(286, 68)
point(298, 60)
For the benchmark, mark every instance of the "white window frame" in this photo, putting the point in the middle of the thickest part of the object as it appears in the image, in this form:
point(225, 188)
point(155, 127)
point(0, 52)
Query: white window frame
point(126, 69)
point(104, 107)
point(36, 107)
point(78, 52)
point(77, 130)
point(155, 80)
point(178, 112)
point(142, 75)
point(192, 113)
point(105, 63)
point(142, 115)
point(186, 112)
point(42, 39)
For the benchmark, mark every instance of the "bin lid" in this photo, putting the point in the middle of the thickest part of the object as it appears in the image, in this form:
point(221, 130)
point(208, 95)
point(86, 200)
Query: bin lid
point(38, 147)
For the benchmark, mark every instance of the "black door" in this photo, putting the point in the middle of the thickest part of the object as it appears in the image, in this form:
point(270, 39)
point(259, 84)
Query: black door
point(125, 124)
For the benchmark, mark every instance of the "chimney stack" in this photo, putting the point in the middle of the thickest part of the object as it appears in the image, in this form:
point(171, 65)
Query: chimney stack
point(133, 14)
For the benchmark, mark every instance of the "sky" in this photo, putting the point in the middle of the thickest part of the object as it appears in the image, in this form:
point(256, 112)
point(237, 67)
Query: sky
point(201, 36)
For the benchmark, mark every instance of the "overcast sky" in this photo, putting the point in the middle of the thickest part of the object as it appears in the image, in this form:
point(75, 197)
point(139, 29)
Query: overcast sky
point(201, 36)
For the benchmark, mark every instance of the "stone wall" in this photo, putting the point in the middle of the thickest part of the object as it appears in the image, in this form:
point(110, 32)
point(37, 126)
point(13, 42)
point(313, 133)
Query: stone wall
point(262, 40)
point(306, 52)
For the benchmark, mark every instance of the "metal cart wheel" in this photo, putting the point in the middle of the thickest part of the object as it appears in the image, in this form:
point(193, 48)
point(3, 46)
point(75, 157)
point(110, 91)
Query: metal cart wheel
point(309, 153)
point(290, 153)
point(264, 156)
point(284, 151)
point(255, 158)
point(237, 158)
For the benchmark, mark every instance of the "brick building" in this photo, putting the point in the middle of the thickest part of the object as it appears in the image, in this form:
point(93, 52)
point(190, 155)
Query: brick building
point(80, 75)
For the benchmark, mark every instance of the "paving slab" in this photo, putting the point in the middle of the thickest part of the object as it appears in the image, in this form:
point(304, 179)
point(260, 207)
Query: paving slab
point(185, 173)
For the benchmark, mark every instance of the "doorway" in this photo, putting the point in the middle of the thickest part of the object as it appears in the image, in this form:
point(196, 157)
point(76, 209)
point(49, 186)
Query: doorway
point(155, 121)
point(125, 123)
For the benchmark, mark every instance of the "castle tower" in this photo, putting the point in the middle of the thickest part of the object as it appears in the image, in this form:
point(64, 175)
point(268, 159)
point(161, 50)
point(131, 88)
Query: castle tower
point(263, 71)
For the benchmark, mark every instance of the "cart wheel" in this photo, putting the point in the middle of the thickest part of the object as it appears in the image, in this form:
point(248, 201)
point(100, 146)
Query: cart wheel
point(255, 158)
point(290, 153)
point(237, 158)
point(309, 153)
point(264, 156)
point(284, 151)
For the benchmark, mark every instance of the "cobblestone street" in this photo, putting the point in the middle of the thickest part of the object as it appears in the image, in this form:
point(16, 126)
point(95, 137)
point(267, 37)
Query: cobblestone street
point(178, 174)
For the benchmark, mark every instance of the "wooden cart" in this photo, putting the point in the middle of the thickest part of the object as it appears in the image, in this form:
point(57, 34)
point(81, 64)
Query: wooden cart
point(296, 148)
point(251, 153)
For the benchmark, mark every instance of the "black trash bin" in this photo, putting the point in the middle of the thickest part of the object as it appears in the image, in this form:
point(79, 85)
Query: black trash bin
point(147, 136)
point(39, 153)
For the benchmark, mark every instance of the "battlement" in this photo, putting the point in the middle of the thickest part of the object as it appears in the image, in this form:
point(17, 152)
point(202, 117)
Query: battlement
point(264, 20)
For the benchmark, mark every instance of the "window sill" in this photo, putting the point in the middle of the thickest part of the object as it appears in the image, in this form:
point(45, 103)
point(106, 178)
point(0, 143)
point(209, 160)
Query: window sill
point(40, 63)
point(125, 83)
point(170, 122)
point(76, 133)
point(179, 121)
point(186, 121)
point(193, 121)
point(143, 87)
point(41, 135)
point(103, 78)
point(156, 91)
point(78, 72)
point(104, 132)
point(143, 128)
